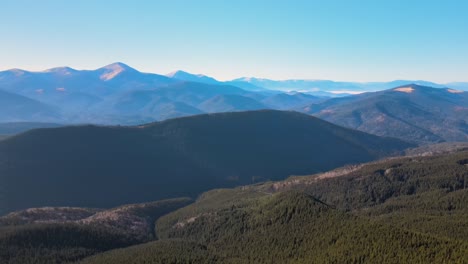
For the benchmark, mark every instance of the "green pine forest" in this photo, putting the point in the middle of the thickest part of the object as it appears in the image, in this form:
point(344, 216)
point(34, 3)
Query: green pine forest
point(400, 210)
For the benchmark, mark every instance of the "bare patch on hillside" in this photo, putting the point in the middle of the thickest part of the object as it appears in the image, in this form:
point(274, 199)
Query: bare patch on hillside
point(454, 91)
point(404, 89)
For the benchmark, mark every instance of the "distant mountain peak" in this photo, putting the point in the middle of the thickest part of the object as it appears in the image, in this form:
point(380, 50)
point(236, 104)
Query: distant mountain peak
point(186, 76)
point(61, 70)
point(118, 65)
point(178, 72)
point(112, 70)
point(17, 72)
point(171, 74)
point(181, 72)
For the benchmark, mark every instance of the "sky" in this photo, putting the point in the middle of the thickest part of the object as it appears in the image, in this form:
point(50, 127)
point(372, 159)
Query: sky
point(343, 40)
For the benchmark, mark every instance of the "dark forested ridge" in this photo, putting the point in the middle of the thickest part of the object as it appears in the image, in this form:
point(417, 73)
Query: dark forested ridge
point(410, 209)
point(58, 235)
point(400, 210)
point(106, 166)
point(405, 210)
point(19, 127)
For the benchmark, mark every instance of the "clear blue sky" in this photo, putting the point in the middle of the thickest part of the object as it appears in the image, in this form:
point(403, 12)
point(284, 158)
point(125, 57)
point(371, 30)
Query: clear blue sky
point(361, 40)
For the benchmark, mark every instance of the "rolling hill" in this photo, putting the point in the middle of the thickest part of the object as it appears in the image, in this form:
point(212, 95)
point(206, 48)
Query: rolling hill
point(403, 210)
point(90, 165)
point(417, 113)
point(398, 210)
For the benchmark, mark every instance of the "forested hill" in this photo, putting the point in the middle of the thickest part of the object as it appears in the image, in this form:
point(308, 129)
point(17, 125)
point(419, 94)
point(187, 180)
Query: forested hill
point(399, 210)
point(403, 210)
point(107, 166)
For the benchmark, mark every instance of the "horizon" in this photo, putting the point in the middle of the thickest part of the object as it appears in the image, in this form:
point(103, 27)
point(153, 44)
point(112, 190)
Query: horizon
point(313, 40)
point(217, 79)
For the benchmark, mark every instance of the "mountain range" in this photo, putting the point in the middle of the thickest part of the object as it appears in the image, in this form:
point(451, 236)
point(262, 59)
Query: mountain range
point(324, 87)
point(412, 112)
point(342, 87)
point(88, 165)
point(120, 95)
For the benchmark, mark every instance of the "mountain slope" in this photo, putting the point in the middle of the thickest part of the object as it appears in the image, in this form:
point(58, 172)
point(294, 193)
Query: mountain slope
point(174, 100)
point(15, 108)
point(399, 210)
point(147, 105)
point(61, 235)
point(418, 113)
point(246, 86)
point(136, 106)
point(19, 127)
point(53, 166)
point(190, 77)
point(290, 101)
point(230, 103)
point(404, 210)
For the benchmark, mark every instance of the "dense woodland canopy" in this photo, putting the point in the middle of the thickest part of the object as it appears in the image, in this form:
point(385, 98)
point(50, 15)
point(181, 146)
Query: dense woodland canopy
point(399, 210)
